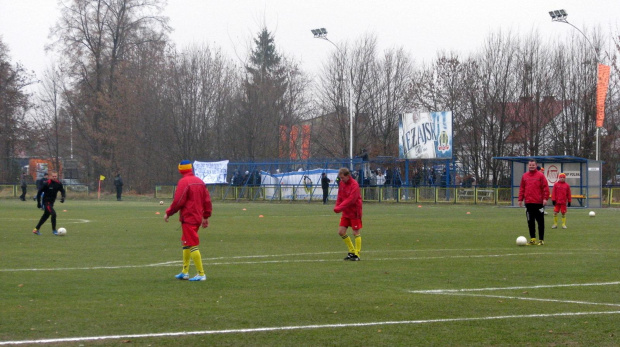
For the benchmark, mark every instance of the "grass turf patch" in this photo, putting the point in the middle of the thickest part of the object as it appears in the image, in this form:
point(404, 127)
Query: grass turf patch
point(280, 279)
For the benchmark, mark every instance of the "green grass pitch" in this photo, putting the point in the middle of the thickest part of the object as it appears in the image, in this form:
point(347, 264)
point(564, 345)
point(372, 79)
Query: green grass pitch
point(429, 275)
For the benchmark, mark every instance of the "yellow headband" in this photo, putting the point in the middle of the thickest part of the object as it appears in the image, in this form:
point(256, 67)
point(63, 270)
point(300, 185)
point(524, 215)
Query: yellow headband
point(185, 167)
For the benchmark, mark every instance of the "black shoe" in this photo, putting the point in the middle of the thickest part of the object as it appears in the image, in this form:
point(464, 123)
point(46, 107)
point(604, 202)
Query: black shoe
point(355, 258)
point(350, 256)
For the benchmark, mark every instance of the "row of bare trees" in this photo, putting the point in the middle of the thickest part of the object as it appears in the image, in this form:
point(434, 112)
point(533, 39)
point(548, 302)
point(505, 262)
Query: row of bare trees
point(519, 96)
point(122, 98)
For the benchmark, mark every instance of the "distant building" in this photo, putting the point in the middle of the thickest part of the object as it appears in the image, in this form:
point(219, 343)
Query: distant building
point(535, 126)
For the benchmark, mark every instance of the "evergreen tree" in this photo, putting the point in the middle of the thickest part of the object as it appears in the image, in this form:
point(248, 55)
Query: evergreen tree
point(262, 109)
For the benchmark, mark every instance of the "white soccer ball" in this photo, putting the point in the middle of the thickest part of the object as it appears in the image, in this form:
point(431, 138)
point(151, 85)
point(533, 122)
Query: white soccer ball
point(61, 231)
point(161, 202)
point(521, 241)
point(592, 214)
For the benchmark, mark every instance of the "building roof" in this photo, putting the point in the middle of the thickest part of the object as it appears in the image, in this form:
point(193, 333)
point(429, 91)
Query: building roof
point(523, 112)
point(546, 159)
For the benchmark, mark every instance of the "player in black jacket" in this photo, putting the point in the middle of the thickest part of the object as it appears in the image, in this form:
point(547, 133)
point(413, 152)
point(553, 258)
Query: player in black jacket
point(46, 196)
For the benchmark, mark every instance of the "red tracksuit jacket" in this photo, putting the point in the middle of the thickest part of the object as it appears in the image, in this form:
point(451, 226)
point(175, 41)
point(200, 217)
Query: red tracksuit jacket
point(192, 199)
point(561, 193)
point(534, 188)
point(349, 199)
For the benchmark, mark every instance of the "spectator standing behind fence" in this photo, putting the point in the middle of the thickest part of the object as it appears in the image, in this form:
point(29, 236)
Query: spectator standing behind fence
point(24, 186)
point(118, 183)
point(365, 163)
point(380, 178)
point(349, 202)
point(325, 181)
point(237, 179)
point(561, 198)
point(40, 182)
point(193, 201)
point(534, 191)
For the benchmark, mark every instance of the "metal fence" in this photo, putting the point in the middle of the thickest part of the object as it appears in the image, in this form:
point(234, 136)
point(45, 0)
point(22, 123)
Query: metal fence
point(15, 190)
point(500, 196)
point(380, 194)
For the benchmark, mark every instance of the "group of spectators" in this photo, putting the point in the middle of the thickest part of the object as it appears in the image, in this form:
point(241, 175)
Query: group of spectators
point(377, 177)
point(252, 179)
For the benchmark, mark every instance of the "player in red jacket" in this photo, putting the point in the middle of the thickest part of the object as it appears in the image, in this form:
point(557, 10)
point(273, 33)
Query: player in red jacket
point(349, 202)
point(534, 191)
point(561, 198)
point(193, 200)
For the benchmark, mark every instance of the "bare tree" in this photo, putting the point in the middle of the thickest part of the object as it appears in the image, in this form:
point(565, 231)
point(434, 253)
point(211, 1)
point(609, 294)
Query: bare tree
point(96, 38)
point(331, 124)
point(200, 92)
point(364, 55)
point(610, 139)
point(535, 107)
point(47, 116)
point(576, 85)
point(298, 109)
point(349, 71)
point(14, 103)
point(392, 77)
point(490, 120)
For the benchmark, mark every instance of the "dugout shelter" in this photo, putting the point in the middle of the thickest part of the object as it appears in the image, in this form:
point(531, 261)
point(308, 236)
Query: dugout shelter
point(583, 175)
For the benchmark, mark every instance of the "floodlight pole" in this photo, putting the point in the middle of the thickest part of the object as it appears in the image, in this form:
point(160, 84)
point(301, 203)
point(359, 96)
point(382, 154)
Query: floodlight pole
point(322, 34)
point(559, 16)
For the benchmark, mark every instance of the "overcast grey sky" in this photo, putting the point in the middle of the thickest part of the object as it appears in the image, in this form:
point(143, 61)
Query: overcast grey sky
point(422, 28)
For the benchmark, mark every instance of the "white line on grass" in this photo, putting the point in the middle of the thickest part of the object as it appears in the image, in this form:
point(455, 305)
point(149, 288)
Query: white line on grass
point(205, 261)
point(373, 259)
point(64, 220)
point(299, 327)
point(531, 299)
point(445, 291)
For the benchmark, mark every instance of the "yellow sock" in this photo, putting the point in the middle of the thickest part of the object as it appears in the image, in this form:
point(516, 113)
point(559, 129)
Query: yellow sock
point(358, 244)
point(186, 253)
point(197, 259)
point(347, 241)
point(563, 220)
point(555, 219)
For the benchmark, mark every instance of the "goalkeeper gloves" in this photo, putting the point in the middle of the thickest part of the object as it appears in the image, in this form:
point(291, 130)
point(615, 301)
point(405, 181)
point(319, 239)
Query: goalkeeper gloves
point(38, 205)
point(62, 200)
point(553, 202)
point(568, 204)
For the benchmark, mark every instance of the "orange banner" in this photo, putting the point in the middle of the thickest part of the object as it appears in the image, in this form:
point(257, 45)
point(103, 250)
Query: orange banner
point(601, 93)
point(305, 142)
point(293, 142)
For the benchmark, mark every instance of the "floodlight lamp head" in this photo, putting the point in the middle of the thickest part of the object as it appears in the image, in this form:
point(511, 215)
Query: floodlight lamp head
point(319, 33)
point(558, 15)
